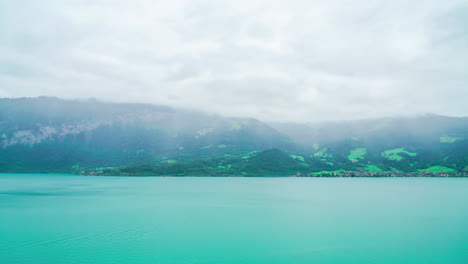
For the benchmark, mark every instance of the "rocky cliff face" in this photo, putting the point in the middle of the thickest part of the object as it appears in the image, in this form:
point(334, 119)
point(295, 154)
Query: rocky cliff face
point(39, 133)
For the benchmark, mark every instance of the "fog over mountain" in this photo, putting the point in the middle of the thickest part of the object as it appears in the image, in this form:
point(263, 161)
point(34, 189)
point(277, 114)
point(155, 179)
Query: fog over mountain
point(48, 134)
point(278, 61)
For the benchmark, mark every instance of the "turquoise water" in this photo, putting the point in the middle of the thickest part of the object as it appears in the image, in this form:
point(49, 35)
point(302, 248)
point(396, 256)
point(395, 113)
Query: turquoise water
point(79, 219)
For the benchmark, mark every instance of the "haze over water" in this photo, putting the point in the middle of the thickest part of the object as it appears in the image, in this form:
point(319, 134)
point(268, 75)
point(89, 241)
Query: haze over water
point(77, 219)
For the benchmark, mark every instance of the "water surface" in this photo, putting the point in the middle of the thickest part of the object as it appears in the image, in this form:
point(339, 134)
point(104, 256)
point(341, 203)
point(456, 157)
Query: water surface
point(78, 219)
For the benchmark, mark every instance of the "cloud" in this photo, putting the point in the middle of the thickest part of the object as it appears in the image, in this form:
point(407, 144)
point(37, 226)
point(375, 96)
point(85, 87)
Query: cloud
point(274, 60)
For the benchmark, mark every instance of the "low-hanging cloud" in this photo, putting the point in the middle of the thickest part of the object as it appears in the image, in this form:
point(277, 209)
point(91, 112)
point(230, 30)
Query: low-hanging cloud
point(274, 60)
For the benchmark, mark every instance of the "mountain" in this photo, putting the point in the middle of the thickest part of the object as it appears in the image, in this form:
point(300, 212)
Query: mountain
point(406, 143)
point(423, 130)
point(48, 134)
point(52, 135)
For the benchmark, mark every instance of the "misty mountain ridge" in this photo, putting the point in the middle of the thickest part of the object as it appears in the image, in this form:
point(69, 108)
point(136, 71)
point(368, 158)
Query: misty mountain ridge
point(48, 134)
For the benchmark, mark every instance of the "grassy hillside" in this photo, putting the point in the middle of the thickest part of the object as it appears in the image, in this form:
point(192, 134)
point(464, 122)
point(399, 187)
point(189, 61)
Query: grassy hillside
point(271, 162)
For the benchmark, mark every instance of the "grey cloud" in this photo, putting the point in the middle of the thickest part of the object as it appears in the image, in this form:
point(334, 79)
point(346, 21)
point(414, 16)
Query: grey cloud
point(273, 60)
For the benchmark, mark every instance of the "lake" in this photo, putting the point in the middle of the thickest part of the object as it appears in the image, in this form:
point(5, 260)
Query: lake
point(79, 219)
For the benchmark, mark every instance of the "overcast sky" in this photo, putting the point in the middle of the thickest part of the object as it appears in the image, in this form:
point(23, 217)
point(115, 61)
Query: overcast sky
point(273, 60)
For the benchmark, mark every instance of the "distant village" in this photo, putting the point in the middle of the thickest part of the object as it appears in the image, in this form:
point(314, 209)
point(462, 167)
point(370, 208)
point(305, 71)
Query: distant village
point(383, 174)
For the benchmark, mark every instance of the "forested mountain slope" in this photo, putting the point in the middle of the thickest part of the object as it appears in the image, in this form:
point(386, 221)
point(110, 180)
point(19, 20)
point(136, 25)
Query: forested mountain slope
point(50, 135)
